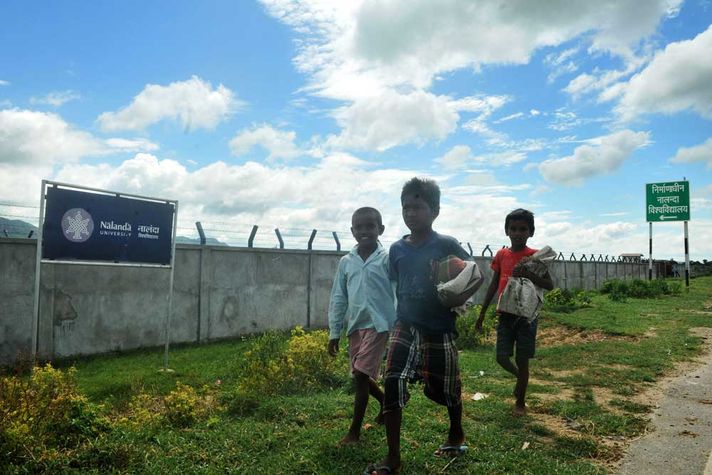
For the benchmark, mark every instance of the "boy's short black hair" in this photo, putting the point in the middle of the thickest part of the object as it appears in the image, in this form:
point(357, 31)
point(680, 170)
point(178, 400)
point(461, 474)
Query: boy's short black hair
point(424, 188)
point(367, 210)
point(520, 214)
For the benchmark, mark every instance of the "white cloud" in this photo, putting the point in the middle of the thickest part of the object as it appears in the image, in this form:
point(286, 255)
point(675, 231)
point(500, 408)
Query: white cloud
point(560, 63)
point(4, 83)
point(461, 155)
point(698, 153)
point(40, 137)
point(279, 143)
point(516, 115)
point(131, 145)
point(600, 156)
point(391, 119)
point(678, 78)
point(56, 99)
point(348, 47)
point(193, 103)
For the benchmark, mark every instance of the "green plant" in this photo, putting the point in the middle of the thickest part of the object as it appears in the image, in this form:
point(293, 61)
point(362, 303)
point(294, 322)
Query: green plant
point(182, 405)
point(299, 364)
point(44, 413)
point(468, 338)
point(565, 300)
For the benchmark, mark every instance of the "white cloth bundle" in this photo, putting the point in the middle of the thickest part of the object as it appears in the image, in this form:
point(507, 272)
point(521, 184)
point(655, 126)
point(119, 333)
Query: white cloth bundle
point(455, 292)
point(521, 297)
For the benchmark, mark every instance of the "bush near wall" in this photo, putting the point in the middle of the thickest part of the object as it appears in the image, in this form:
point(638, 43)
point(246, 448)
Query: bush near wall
point(620, 290)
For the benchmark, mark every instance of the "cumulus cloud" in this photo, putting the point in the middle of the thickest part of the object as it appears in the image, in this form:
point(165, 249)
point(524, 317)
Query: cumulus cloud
point(390, 119)
point(698, 153)
point(348, 46)
point(278, 143)
point(56, 99)
point(193, 103)
point(678, 78)
point(41, 137)
point(598, 157)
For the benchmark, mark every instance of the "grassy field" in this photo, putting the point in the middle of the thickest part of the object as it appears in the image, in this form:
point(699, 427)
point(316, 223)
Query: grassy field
point(586, 399)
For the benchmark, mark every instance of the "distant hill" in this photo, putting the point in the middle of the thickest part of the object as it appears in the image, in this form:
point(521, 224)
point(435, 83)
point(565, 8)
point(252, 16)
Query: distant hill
point(16, 228)
point(209, 241)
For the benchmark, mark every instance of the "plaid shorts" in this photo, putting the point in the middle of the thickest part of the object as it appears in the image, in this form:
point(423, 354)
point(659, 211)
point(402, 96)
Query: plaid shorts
point(413, 356)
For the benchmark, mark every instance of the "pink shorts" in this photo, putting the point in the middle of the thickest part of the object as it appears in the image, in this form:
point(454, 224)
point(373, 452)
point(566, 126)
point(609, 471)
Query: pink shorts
point(366, 348)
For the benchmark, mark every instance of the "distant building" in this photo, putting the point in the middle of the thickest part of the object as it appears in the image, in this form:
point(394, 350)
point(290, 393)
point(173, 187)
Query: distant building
point(630, 257)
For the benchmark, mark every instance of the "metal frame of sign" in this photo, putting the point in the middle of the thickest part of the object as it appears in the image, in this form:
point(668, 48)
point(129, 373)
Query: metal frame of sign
point(39, 261)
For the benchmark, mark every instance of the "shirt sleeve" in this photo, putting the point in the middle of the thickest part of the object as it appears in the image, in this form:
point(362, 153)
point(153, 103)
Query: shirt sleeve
point(338, 302)
point(392, 269)
point(460, 251)
point(497, 261)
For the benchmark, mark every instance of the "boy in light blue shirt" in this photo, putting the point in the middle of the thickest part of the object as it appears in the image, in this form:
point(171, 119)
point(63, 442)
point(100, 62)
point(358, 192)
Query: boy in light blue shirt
point(363, 295)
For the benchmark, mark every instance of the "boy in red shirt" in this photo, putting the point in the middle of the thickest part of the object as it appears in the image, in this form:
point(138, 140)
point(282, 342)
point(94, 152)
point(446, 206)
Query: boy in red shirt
point(512, 330)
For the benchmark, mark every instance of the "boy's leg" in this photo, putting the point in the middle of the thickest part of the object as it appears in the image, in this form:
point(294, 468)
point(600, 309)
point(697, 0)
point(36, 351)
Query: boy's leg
point(526, 346)
point(361, 383)
point(443, 385)
point(366, 350)
point(377, 393)
point(401, 362)
point(505, 343)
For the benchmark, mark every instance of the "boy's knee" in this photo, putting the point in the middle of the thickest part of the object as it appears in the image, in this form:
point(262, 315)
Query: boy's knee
point(503, 360)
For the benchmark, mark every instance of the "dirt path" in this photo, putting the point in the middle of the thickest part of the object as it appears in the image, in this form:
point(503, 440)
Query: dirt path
point(680, 439)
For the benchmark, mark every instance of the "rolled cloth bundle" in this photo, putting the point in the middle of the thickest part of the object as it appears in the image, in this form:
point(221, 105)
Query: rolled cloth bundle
point(455, 292)
point(521, 297)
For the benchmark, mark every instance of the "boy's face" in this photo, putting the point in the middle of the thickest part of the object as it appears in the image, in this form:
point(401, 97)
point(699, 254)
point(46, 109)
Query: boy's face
point(518, 232)
point(417, 214)
point(365, 229)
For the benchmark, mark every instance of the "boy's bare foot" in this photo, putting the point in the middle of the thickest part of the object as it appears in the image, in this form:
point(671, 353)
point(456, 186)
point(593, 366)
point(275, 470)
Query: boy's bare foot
point(519, 410)
point(349, 439)
point(387, 466)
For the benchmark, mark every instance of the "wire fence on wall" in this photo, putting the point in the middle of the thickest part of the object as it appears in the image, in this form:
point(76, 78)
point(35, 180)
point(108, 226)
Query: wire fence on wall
point(19, 220)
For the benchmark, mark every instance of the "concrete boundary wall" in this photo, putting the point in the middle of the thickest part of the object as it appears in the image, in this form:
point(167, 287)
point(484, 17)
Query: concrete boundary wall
point(219, 292)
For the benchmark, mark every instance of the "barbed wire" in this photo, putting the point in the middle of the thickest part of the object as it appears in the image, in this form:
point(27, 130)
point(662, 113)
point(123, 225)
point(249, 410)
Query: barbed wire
point(241, 235)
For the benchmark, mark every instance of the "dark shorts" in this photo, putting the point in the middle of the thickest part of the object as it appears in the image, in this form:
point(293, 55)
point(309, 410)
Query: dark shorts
point(514, 331)
point(414, 356)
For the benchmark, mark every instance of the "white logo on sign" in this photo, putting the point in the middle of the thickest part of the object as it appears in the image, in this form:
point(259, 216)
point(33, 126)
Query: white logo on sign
point(77, 225)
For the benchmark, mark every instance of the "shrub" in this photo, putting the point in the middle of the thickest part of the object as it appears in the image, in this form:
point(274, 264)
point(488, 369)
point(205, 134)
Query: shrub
point(44, 413)
point(468, 337)
point(565, 300)
point(274, 365)
point(619, 290)
point(185, 405)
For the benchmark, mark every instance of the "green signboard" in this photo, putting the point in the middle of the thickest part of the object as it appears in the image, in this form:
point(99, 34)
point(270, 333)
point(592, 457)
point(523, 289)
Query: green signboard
point(669, 201)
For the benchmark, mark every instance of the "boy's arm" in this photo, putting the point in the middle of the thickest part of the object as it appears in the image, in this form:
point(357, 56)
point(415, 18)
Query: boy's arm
point(545, 281)
point(338, 303)
point(491, 290)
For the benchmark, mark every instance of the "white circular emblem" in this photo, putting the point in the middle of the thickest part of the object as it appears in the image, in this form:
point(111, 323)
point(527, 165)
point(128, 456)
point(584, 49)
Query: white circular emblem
point(77, 225)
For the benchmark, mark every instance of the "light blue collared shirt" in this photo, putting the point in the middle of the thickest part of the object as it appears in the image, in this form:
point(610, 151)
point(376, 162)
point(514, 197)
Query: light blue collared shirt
point(363, 293)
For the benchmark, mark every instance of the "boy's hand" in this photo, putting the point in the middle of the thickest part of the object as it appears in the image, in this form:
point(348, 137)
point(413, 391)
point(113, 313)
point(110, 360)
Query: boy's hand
point(333, 347)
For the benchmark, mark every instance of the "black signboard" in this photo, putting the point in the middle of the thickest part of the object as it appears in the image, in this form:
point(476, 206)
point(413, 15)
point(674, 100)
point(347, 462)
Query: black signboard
point(87, 226)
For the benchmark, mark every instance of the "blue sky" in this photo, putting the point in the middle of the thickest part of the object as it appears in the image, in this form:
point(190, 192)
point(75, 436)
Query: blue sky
point(293, 114)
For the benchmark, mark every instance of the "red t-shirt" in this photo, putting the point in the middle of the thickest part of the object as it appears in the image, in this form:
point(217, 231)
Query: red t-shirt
point(504, 262)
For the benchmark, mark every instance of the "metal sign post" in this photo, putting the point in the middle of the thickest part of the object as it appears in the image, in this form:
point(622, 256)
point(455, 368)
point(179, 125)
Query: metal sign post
point(668, 201)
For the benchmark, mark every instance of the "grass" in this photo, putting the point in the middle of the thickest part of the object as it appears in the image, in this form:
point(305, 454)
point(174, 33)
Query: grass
point(581, 393)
